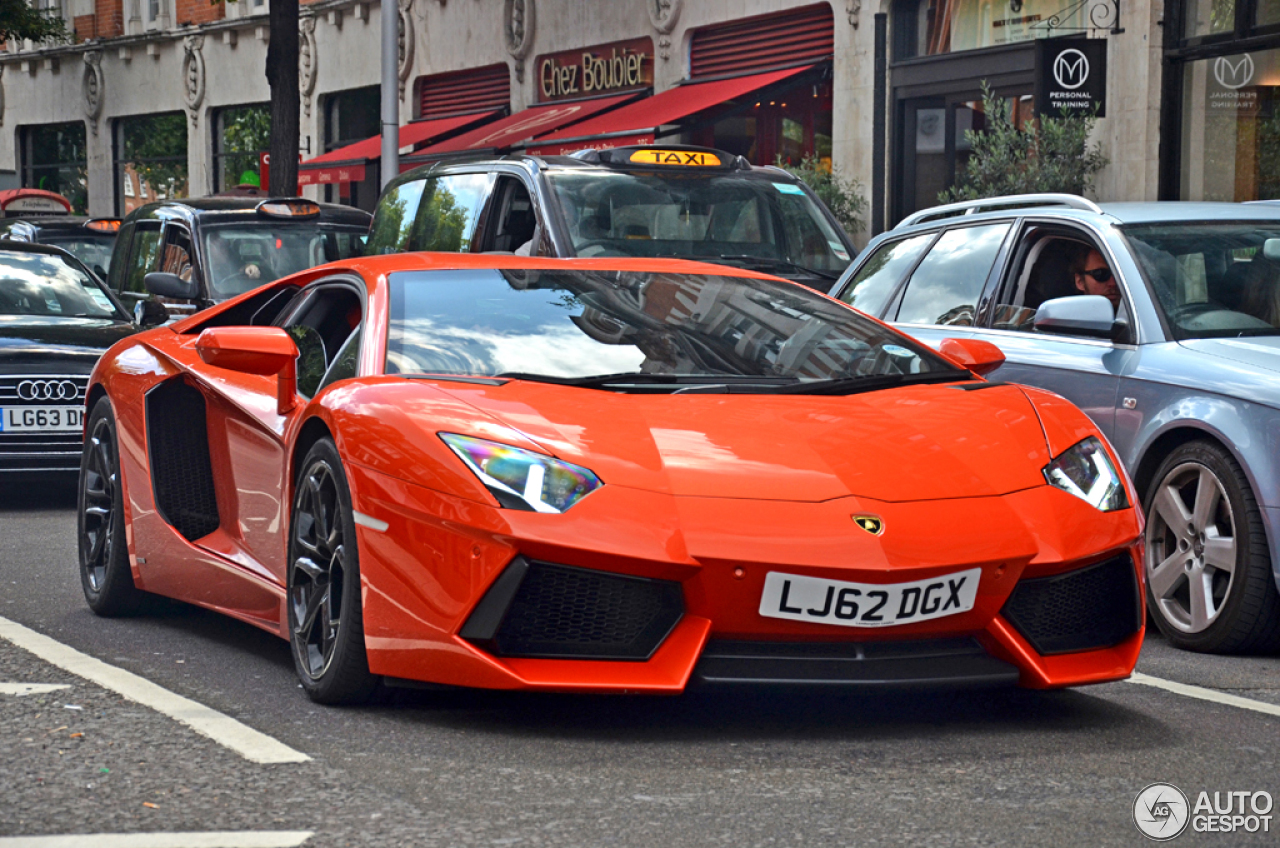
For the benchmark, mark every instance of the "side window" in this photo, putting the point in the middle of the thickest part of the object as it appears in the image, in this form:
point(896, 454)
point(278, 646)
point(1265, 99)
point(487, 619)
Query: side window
point(176, 256)
point(1043, 270)
point(512, 222)
point(393, 219)
point(142, 256)
point(345, 363)
point(120, 257)
point(873, 285)
point(448, 212)
point(945, 286)
point(321, 328)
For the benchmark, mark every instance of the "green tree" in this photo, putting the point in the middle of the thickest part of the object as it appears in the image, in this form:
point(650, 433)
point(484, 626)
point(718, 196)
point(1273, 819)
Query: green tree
point(842, 195)
point(156, 145)
point(246, 132)
point(1052, 155)
point(19, 20)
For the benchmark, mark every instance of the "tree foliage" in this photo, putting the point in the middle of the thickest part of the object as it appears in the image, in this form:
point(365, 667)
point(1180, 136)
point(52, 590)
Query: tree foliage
point(842, 195)
point(156, 145)
point(19, 20)
point(1051, 155)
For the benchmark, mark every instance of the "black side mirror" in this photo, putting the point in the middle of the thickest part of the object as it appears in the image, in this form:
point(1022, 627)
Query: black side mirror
point(149, 313)
point(100, 271)
point(165, 284)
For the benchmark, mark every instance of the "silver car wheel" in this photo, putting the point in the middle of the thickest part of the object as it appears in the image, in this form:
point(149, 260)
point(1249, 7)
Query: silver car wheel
point(1191, 547)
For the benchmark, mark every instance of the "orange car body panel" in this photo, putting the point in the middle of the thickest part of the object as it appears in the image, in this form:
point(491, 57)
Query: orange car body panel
point(713, 491)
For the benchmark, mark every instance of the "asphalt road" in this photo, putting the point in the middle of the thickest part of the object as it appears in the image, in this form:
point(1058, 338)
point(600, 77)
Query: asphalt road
point(463, 768)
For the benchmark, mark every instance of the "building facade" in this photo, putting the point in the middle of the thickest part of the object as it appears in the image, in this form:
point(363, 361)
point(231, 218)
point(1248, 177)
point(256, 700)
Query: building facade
point(168, 97)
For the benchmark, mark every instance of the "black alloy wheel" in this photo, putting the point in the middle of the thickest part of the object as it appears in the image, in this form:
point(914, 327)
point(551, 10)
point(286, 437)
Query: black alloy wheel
point(325, 621)
point(105, 574)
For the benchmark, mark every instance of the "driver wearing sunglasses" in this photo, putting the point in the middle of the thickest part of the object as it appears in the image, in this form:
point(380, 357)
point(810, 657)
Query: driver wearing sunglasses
point(1094, 277)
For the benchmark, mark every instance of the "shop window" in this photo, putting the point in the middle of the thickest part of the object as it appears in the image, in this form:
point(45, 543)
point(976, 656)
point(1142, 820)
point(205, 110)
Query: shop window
point(788, 125)
point(155, 148)
point(54, 159)
point(1230, 140)
point(938, 27)
point(240, 137)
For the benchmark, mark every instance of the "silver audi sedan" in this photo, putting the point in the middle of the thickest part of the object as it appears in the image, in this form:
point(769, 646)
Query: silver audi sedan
point(1162, 322)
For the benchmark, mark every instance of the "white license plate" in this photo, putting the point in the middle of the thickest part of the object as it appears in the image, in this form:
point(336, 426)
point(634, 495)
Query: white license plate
point(821, 601)
point(17, 419)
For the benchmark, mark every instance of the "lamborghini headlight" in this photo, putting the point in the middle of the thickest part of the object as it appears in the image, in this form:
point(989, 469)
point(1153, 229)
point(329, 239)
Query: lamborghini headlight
point(522, 479)
point(1085, 470)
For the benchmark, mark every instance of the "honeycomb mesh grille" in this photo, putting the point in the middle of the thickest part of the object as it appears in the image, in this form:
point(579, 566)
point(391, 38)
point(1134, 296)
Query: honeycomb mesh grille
point(575, 612)
point(181, 472)
point(1094, 607)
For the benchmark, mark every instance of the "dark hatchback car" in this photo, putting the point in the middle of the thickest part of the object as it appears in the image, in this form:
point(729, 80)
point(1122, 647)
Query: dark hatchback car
point(197, 252)
point(669, 201)
point(56, 319)
point(90, 240)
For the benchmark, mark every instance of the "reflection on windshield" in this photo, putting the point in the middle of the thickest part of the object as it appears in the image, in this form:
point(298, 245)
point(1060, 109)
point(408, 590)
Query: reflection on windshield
point(239, 258)
point(696, 216)
point(582, 324)
point(1213, 280)
point(93, 251)
point(42, 284)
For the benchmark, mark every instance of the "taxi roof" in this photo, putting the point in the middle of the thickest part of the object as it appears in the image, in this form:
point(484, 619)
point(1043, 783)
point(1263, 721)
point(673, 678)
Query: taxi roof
point(227, 209)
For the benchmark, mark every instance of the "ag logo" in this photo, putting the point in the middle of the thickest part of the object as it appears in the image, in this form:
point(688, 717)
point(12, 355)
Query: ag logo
point(871, 523)
point(1071, 69)
point(1233, 74)
point(1161, 811)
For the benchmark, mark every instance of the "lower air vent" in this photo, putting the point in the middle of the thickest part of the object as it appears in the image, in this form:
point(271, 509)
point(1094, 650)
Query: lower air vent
point(1082, 610)
point(536, 609)
point(178, 448)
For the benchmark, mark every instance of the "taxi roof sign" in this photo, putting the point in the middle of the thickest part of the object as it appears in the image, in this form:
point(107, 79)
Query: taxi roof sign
point(676, 157)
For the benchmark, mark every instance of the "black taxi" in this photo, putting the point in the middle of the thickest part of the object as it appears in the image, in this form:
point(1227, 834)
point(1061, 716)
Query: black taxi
point(90, 240)
point(672, 201)
point(193, 253)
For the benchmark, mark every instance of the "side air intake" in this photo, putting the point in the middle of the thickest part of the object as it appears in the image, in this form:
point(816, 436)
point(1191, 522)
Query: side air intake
point(178, 448)
point(1082, 610)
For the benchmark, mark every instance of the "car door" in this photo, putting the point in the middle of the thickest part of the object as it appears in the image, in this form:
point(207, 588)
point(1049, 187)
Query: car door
point(177, 257)
point(137, 257)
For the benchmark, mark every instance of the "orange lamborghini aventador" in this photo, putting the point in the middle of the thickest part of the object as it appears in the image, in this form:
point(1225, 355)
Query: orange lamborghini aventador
point(607, 475)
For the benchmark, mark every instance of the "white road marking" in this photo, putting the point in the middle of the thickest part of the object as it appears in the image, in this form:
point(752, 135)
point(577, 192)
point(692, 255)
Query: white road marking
point(370, 522)
point(21, 689)
point(1206, 694)
point(226, 731)
point(211, 839)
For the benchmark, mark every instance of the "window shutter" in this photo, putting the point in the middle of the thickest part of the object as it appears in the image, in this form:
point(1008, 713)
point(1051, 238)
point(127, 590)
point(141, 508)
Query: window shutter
point(768, 41)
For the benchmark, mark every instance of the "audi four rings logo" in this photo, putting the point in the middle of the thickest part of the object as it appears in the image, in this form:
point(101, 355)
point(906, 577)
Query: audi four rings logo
point(48, 390)
point(1233, 74)
point(1071, 69)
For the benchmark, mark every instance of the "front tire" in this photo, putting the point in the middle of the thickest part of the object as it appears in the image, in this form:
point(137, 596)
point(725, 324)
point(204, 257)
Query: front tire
point(326, 628)
point(1209, 581)
point(105, 574)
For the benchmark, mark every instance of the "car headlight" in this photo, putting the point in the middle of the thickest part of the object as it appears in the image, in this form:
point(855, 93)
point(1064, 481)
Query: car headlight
point(522, 479)
point(1085, 470)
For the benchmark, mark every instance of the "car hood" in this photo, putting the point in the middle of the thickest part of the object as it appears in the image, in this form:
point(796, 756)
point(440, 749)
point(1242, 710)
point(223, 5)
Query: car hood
point(28, 339)
point(1259, 351)
point(904, 444)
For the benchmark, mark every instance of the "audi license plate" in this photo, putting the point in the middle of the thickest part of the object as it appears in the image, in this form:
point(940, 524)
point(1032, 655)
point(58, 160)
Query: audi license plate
point(867, 604)
point(17, 419)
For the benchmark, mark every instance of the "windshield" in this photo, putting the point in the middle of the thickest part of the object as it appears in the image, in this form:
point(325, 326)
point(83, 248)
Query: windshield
point(1213, 279)
point(563, 325)
point(772, 226)
point(44, 284)
point(241, 257)
point(93, 251)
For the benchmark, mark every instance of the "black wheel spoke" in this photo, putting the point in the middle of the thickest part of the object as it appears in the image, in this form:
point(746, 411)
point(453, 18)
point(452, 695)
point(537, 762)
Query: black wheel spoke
point(318, 570)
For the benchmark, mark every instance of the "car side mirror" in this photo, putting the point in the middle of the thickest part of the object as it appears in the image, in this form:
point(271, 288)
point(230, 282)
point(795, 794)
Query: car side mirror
point(164, 284)
point(254, 350)
point(1079, 315)
point(978, 356)
point(149, 313)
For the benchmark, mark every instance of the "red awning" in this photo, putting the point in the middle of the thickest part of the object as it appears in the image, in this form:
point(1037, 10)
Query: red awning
point(346, 164)
point(635, 123)
point(522, 126)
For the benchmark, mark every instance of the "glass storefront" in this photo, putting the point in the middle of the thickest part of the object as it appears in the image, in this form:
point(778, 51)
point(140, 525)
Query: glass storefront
point(240, 137)
point(787, 125)
point(54, 159)
point(938, 27)
point(151, 149)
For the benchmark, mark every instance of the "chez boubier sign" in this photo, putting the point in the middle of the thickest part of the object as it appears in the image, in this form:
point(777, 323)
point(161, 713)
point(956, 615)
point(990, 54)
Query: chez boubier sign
point(604, 69)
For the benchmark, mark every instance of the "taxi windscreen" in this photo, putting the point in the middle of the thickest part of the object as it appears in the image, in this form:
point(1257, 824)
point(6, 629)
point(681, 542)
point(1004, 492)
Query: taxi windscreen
point(93, 251)
point(757, 223)
point(241, 257)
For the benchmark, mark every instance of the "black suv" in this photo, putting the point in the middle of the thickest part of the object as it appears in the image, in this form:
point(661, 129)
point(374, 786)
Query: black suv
point(88, 239)
point(673, 201)
point(196, 252)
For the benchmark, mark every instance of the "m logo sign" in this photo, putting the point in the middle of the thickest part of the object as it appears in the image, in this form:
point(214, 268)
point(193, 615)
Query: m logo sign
point(1071, 76)
point(1071, 69)
point(1233, 72)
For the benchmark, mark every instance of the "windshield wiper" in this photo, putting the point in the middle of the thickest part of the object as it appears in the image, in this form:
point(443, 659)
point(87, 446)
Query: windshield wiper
point(681, 382)
point(871, 383)
point(773, 262)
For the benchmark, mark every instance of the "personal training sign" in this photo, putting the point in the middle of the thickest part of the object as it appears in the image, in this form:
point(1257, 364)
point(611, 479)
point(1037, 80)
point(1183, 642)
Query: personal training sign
point(1071, 76)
